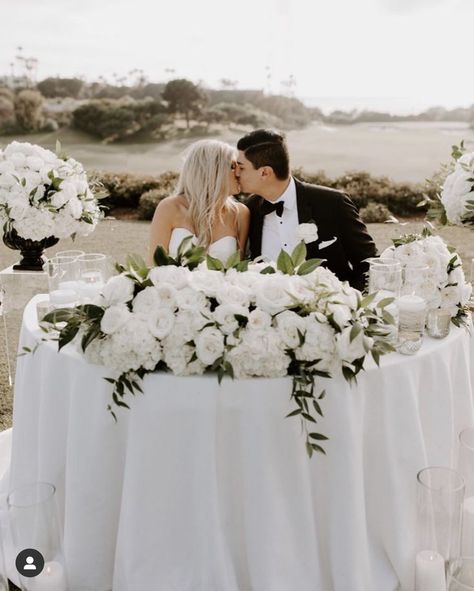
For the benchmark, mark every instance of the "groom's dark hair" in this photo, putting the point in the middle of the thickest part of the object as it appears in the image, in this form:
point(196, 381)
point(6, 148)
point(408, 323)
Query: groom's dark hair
point(266, 147)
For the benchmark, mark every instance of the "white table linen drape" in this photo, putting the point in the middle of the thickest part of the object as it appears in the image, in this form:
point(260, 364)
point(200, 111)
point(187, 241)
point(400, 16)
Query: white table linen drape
point(201, 487)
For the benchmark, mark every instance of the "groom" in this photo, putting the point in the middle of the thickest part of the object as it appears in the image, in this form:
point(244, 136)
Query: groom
point(280, 203)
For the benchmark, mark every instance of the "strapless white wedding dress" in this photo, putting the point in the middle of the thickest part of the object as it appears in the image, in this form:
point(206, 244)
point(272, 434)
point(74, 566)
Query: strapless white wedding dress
point(220, 249)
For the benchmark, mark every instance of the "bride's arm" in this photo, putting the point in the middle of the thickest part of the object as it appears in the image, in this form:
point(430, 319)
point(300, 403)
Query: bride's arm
point(161, 227)
point(243, 228)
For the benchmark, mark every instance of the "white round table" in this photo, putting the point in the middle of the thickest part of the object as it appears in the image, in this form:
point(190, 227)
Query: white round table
point(201, 487)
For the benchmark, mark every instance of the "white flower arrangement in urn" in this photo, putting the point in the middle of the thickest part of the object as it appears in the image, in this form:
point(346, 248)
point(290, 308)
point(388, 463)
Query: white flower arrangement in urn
point(44, 197)
point(454, 202)
point(194, 314)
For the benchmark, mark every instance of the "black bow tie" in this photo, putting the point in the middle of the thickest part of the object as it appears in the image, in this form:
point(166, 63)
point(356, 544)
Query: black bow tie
point(268, 207)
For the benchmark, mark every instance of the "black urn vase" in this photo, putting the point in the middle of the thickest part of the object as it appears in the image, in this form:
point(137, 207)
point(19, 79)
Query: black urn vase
point(31, 250)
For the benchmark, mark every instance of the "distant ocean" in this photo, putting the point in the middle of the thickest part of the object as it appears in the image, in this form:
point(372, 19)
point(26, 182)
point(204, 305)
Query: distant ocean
point(395, 106)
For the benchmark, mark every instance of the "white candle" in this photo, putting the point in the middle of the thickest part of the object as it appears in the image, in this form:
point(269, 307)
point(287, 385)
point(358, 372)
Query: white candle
point(59, 297)
point(68, 285)
point(411, 303)
point(90, 290)
point(429, 571)
point(51, 578)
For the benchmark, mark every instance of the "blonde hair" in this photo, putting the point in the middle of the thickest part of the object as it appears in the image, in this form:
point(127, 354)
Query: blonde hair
point(204, 182)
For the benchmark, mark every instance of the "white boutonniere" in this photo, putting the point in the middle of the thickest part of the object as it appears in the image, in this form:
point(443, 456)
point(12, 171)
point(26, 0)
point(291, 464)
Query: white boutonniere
point(308, 232)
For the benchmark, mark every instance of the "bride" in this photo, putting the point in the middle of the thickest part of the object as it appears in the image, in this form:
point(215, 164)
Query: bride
point(202, 206)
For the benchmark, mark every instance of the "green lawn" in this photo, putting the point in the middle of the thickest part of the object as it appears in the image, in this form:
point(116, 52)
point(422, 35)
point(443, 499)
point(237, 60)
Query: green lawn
point(410, 151)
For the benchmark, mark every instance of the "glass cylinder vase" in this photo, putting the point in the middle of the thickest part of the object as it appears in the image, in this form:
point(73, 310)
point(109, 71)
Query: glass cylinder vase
point(465, 467)
point(461, 574)
point(385, 274)
point(34, 525)
point(438, 323)
point(440, 495)
point(411, 323)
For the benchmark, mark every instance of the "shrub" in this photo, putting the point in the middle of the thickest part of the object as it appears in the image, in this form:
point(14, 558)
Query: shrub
point(7, 112)
point(149, 201)
point(125, 189)
point(363, 188)
point(50, 125)
point(29, 109)
point(7, 93)
point(375, 213)
point(112, 120)
point(62, 87)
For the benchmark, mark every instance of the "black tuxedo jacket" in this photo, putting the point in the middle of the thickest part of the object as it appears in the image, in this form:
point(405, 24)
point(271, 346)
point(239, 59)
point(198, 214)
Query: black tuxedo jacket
point(336, 216)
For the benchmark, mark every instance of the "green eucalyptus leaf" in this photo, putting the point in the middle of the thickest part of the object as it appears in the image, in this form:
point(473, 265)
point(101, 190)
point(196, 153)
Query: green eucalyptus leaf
point(214, 264)
point(284, 263)
point(309, 266)
point(298, 255)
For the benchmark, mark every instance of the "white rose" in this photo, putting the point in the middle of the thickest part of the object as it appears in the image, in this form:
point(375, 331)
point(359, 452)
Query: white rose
point(190, 299)
point(146, 301)
point(59, 199)
point(308, 232)
point(341, 314)
point(74, 206)
point(319, 343)
point(161, 322)
point(225, 316)
point(290, 326)
point(259, 320)
point(233, 294)
point(209, 282)
point(209, 345)
point(349, 350)
point(167, 295)
point(176, 276)
point(114, 318)
point(117, 290)
point(273, 294)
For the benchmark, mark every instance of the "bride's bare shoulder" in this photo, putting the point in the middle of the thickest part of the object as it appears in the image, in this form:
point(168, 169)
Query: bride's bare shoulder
point(242, 210)
point(171, 205)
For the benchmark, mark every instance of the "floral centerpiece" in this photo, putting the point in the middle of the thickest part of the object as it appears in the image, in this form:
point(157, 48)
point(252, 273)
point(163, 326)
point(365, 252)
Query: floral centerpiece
point(43, 197)
point(445, 285)
point(454, 203)
point(194, 314)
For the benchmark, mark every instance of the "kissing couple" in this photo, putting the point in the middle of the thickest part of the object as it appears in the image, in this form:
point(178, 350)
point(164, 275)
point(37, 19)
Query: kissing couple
point(279, 212)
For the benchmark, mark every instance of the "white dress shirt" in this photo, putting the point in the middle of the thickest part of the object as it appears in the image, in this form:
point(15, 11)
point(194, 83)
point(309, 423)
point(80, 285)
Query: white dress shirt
point(281, 233)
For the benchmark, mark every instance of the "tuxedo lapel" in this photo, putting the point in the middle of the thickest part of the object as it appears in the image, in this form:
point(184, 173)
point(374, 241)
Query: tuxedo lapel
point(256, 227)
point(305, 216)
point(303, 204)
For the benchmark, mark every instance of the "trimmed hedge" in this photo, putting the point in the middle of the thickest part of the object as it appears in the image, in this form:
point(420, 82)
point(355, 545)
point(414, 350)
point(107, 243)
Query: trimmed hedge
point(149, 201)
point(375, 213)
point(126, 189)
point(400, 199)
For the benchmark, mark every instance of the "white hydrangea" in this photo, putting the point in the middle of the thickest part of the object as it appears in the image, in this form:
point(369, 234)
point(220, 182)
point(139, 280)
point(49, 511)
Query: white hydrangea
point(289, 326)
point(458, 188)
point(259, 353)
point(319, 343)
point(130, 347)
point(33, 206)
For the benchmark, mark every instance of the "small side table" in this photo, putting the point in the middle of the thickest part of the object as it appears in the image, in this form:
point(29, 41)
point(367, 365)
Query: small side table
point(16, 290)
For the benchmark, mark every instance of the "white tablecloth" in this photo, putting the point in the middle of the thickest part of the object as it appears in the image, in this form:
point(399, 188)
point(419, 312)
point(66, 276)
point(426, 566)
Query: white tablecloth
point(201, 487)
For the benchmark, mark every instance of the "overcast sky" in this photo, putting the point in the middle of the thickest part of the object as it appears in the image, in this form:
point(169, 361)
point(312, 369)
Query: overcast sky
point(418, 50)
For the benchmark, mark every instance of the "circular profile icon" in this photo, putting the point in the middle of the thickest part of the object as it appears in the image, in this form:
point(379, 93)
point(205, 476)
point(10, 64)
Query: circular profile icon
point(29, 562)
